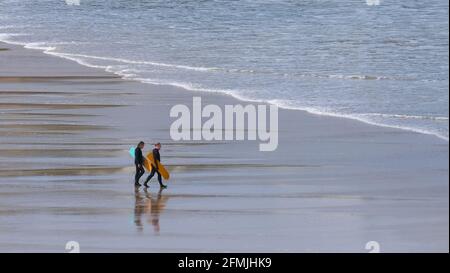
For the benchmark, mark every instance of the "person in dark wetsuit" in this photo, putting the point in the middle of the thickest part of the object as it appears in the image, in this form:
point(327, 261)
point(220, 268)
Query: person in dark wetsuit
point(157, 157)
point(139, 162)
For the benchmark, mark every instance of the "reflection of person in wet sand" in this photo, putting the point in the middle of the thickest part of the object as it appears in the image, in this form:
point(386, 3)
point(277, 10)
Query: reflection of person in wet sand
point(148, 207)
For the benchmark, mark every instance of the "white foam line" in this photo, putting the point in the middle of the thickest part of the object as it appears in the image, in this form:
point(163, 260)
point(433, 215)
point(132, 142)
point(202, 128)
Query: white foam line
point(190, 87)
point(367, 121)
point(72, 56)
point(14, 26)
point(405, 116)
point(280, 104)
point(139, 62)
point(353, 117)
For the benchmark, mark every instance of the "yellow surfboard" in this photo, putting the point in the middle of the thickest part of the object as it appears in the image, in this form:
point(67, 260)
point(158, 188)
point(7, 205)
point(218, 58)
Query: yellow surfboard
point(162, 170)
point(147, 165)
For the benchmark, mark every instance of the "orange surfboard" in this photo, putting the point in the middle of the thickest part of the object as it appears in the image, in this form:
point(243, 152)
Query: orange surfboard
point(147, 165)
point(162, 170)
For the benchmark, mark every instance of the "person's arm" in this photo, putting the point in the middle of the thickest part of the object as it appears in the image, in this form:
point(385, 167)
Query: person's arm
point(156, 157)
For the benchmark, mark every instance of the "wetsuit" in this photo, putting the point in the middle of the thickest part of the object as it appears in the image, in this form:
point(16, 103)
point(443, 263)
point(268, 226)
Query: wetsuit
point(157, 158)
point(139, 162)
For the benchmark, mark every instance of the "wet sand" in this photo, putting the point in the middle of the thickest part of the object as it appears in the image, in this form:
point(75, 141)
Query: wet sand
point(332, 185)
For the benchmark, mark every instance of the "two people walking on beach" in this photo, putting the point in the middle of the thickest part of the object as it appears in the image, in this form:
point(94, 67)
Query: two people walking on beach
point(139, 162)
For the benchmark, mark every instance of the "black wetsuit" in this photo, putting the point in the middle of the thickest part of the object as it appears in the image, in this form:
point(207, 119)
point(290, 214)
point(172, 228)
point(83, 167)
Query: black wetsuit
point(139, 162)
point(157, 157)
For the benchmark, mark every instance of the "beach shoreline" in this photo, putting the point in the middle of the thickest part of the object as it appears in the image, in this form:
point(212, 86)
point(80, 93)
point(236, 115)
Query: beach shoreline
point(50, 51)
point(332, 185)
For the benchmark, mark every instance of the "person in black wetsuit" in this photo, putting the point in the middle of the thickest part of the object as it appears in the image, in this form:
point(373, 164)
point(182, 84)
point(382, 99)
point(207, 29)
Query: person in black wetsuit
point(139, 162)
point(157, 157)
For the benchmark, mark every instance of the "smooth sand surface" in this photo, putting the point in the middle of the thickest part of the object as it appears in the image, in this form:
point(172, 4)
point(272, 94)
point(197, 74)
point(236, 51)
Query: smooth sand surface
point(332, 185)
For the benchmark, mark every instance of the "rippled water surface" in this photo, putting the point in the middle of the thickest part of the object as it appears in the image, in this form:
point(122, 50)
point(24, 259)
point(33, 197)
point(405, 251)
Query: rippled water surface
point(385, 64)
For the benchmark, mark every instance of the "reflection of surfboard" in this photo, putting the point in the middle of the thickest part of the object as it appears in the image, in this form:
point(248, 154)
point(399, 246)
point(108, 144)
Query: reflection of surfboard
point(147, 165)
point(162, 170)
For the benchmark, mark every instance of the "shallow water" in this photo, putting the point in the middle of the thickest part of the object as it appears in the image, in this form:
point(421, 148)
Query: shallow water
point(384, 64)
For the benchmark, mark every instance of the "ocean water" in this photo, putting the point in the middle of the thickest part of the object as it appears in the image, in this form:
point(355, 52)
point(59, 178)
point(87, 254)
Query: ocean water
point(383, 62)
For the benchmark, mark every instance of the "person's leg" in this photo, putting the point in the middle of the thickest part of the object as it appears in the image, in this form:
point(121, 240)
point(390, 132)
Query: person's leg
point(160, 181)
point(136, 176)
point(149, 177)
point(139, 173)
point(142, 172)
